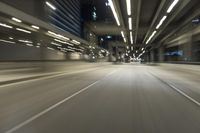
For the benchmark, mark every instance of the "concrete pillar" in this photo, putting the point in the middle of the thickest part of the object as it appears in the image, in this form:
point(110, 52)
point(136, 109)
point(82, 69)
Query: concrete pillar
point(110, 59)
point(32, 7)
point(161, 54)
point(187, 49)
point(152, 59)
point(147, 57)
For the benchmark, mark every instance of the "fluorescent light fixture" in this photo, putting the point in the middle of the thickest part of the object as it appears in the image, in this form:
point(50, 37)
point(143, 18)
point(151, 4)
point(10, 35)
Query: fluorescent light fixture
point(60, 41)
point(50, 32)
point(130, 23)
point(102, 51)
point(70, 44)
point(128, 3)
point(131, 37)
point(11, 38)
point(132, 48)
point(22, 30)
point(114, 12)
point(56, 44)
point(63, 37)
point(74, 41)
point(122, 34)
point(124, 39)
point(16, 20)
point(172, 6)
point(35, 27)
point(37, 46)
point(6, 26)
point(71, 50)
point(161, 22)
point(109, 37)
point(29, 44)
point(58, 35)
point(1, 40)
point(25, 41)
point(50, 48)
point(50, 5)
point(152, 35)
point(142, 49)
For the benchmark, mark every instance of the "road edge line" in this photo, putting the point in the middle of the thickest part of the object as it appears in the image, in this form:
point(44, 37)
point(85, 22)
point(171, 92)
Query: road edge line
point(177, 90)
point(15, 128)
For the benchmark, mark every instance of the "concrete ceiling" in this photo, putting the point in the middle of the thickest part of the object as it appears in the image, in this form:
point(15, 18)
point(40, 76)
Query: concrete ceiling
point(146, 14)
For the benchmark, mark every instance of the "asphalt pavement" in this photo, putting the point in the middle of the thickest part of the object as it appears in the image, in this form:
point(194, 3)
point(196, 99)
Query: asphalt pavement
point(125, 98)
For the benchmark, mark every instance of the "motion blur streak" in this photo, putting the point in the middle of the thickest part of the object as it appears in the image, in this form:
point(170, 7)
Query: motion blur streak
point(129, 96)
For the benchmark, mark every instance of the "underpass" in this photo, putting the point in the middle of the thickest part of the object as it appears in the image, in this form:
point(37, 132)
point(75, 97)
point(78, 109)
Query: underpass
point(115, 98)
point(99, 66)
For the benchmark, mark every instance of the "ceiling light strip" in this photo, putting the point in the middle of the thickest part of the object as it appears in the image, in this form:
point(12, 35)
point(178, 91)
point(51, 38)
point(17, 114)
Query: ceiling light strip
point(152, 35)
point(131, 37)
point(114, 12)
point(6, 26)
point(1, 40)
point(122, 33)
point(172, 6)
point(128, 4)
point(130, 23)
point(161, 22)
point(16, 20)
point(35, 27)
point(22, 30)
point(50, 5)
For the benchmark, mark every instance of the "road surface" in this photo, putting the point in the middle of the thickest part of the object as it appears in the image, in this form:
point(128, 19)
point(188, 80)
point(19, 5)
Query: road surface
point(126, 98)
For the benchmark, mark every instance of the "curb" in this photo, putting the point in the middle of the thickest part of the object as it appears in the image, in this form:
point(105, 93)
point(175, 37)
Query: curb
point(24, 79)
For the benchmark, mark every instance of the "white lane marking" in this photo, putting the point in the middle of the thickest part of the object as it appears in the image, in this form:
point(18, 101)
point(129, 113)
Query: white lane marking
point(47, 110)
point(178, 90)
point(15, 128)
point(185, 95)
point(51, 75)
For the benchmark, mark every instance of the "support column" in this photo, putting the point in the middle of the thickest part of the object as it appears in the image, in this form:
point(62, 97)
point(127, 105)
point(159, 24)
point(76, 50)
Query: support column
point(152, 59)
point(187, 50)
point(161, 54)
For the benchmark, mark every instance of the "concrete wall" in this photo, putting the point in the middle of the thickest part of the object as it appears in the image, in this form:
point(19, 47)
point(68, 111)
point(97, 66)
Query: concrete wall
point(32, 7)
point(16, 52)
point(186, 40)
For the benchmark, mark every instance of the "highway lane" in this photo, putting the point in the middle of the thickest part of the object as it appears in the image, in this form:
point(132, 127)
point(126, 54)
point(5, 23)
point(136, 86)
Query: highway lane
point(20, 101)
point(126, 98)
point(185, 77)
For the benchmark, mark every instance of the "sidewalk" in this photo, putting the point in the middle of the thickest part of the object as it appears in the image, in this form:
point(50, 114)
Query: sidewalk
point(17, 72)
point(17, 75)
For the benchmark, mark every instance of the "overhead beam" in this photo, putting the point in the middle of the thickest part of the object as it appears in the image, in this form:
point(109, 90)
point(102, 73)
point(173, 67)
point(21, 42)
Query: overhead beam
point(195, 13)
point(12, 11)
point(119, 12)
point(100, 28)
point(137, 20)
point(182, 6)
point(162, 3)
